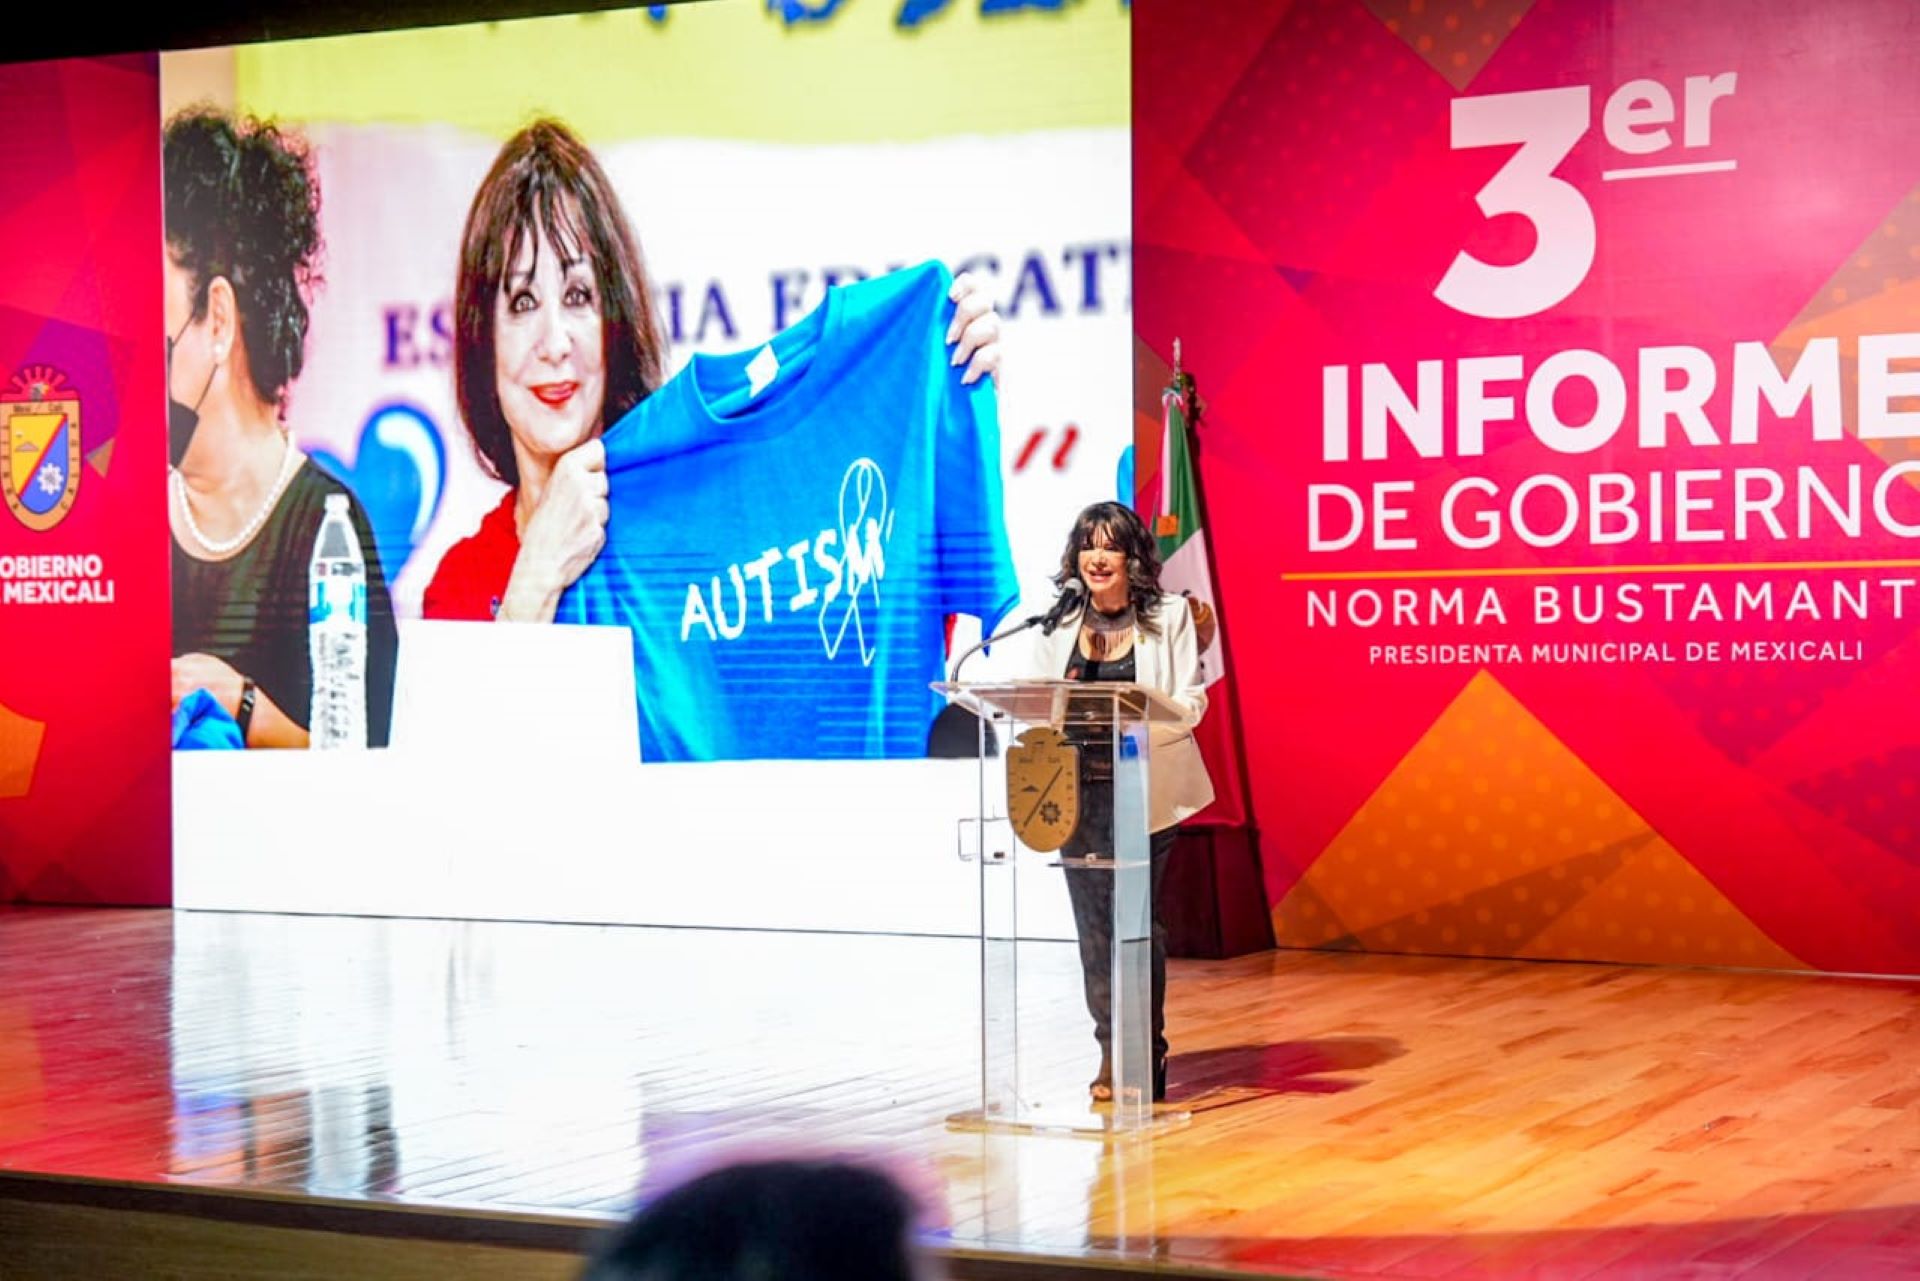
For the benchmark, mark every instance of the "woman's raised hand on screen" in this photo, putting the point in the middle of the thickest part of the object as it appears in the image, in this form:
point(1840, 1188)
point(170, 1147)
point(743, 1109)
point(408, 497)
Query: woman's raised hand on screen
point(566, 531)
point(974, 334)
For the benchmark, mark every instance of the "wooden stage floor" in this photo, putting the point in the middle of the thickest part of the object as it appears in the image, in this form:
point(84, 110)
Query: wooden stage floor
point(1353, 1116)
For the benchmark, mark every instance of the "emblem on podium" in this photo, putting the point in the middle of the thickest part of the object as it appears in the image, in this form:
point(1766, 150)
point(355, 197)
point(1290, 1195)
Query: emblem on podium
point(1043, 788)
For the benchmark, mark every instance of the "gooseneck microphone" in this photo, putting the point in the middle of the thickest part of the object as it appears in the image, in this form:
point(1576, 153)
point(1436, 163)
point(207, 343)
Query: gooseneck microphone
point(1064, 605)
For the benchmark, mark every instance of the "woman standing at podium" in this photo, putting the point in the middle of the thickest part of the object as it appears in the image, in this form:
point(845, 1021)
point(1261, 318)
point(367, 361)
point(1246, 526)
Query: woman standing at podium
point(1122, 627)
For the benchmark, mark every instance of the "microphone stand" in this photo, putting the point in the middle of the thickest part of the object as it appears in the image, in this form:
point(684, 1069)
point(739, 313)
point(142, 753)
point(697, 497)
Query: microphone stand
point(1069, 597)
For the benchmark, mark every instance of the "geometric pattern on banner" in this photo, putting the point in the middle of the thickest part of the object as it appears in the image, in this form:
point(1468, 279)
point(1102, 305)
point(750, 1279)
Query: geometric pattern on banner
point(1492, 838)
point(83, 773)
point(1307, 218)
point(1877, 796)
point(1299, 278)
point(1874, 290)
point(1216, 45)
point(1888, 258)
point(1789, 755)
point(1747, 711)
point(20, 739)
point(1454, 37)
point(60, 883)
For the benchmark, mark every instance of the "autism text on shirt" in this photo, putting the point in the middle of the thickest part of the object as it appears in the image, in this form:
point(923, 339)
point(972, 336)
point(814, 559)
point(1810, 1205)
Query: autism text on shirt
point(838, 569)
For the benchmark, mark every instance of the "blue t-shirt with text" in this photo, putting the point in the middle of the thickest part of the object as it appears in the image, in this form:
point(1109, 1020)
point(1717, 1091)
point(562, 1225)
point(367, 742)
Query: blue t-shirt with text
point(786, 556)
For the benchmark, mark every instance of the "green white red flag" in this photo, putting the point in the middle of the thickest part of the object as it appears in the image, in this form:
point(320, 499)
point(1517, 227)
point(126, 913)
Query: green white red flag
point(1186, 569)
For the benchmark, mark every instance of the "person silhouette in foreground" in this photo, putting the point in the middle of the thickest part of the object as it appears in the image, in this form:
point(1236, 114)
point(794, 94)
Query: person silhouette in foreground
point(788, 1220)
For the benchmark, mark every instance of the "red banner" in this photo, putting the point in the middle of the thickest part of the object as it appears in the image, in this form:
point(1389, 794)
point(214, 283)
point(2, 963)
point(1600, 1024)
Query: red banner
point(1564, 386)
point(84, 804)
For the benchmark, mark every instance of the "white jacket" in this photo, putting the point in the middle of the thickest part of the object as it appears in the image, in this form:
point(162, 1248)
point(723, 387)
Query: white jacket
point(1166, 659)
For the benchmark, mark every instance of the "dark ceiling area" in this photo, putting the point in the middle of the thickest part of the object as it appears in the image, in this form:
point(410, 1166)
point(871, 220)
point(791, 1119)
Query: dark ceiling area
point(53, 31)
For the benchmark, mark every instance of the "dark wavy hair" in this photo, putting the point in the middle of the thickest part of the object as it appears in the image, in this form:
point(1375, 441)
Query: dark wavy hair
point(795, 1220)
point(1119, 526)
point(546, 182)
point(241, 201)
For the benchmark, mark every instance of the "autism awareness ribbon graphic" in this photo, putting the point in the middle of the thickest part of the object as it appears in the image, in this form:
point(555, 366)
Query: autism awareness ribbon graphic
point(865, 522)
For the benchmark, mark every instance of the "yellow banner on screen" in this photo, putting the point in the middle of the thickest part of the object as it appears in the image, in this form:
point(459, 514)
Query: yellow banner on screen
point(717, 70)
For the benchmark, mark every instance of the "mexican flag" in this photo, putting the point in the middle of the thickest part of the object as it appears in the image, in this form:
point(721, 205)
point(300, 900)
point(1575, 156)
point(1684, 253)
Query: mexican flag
point(1186, 571)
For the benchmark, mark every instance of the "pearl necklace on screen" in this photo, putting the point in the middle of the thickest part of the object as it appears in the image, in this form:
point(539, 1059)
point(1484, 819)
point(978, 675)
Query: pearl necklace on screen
point(289, 463)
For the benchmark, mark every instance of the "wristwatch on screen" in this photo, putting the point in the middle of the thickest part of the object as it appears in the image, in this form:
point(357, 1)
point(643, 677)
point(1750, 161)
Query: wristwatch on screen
point(249, 692)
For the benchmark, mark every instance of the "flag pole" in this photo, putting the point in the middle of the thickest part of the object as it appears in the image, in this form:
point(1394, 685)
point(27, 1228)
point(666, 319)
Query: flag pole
point(1191, 412)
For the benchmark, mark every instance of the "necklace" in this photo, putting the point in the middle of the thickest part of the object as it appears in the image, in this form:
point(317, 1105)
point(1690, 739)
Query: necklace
point(1107, 636)
point(289, 463)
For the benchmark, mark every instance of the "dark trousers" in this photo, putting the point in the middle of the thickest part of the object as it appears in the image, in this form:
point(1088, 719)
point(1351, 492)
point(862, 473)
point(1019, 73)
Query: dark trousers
point(1091, 890)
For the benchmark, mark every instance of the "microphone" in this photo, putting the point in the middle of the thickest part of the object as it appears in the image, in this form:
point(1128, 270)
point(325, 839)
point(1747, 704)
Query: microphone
point(1064, 604)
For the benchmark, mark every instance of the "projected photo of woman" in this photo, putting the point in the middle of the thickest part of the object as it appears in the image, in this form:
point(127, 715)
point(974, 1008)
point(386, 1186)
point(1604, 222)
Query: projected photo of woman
point(246, 505)
point(555, 334)
point(556, 337)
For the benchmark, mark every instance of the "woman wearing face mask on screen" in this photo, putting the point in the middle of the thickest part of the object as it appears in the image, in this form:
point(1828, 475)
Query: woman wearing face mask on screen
point(245, 504)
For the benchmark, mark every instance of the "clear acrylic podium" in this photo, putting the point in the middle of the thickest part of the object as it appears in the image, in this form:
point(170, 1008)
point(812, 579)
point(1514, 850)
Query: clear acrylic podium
point(1063, 777)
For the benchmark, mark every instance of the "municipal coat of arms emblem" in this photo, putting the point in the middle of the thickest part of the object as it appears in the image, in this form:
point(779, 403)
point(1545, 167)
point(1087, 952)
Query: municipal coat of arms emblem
point(1043, 788)
point(40, 425)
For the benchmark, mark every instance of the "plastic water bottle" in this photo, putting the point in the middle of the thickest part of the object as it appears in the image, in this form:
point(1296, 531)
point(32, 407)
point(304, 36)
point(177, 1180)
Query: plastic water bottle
point(337, 631)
